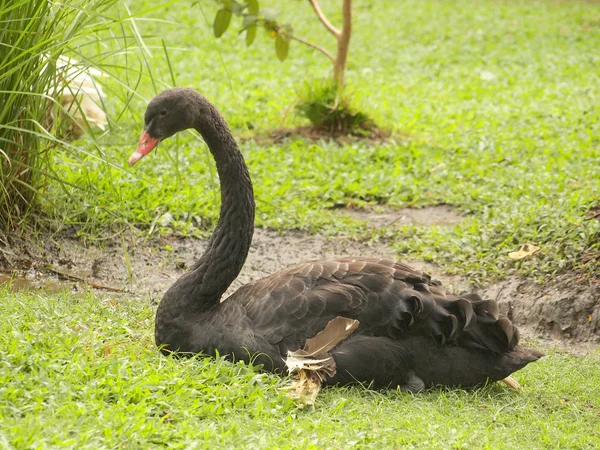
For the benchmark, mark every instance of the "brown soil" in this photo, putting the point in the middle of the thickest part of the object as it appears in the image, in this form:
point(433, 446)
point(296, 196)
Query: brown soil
point(385, 216)
point(148, 267)
point(568, 310)
point(566, 313)
point(307, 132)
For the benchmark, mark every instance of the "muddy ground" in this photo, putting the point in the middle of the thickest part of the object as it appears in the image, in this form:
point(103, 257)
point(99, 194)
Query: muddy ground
point(567, 313)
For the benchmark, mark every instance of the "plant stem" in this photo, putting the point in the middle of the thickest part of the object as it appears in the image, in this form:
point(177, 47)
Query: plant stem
point(343, 41)
point(333, 30)
point(315, 46)
point(342, 37)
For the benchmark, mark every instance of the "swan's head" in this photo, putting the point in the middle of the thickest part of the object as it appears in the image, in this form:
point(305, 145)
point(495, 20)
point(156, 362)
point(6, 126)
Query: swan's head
point(169, 112)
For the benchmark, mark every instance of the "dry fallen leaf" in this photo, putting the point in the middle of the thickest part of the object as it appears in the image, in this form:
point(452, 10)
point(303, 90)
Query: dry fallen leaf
point(313, 363)
point(524, 251)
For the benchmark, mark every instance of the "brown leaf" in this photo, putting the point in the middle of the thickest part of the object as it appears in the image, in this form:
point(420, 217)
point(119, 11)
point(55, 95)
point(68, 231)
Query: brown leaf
point(334, 332)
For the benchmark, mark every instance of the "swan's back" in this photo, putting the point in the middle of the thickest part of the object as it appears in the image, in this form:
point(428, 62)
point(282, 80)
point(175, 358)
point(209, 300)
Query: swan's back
point(407, 320)
point(388, 297)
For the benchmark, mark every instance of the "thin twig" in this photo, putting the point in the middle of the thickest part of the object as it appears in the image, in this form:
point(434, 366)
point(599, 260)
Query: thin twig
point(70, 277)
point(333, 30)
point(310, 44)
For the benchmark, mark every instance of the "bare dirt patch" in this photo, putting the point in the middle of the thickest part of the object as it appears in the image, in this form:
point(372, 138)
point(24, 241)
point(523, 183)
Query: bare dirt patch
point(307, 132)
point(385, 216)
point(568, 310)
point(149, 266)
point(566, 313)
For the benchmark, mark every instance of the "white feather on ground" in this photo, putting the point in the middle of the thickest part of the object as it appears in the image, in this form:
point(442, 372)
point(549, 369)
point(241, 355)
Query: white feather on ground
point(79, 95)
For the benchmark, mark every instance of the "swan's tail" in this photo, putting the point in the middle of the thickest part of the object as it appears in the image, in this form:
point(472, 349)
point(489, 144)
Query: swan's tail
point(517, 359)
point(520, 357)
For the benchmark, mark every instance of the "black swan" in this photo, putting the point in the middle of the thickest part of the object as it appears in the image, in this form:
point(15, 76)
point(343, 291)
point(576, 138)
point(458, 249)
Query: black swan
point(399, 328)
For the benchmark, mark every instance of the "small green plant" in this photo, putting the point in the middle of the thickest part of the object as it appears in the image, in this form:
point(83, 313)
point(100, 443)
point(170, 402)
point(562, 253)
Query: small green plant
point(324, 104)
point(332, 112)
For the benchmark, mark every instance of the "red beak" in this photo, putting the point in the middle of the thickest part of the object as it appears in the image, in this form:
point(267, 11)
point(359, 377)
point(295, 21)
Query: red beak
point(145, 146)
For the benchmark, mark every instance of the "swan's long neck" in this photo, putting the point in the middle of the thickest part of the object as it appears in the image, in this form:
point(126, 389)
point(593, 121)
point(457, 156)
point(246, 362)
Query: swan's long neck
point(202, 287)
point(230, 242)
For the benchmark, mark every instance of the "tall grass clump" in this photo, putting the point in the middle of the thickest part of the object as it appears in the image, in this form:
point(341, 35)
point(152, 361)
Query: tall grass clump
point(34, 34)
point(37, 37)
point(332, 111)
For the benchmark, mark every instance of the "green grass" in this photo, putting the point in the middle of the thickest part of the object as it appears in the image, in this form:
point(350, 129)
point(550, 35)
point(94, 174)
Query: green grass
point(330, 111)
point(495, 107)
point(77, 371)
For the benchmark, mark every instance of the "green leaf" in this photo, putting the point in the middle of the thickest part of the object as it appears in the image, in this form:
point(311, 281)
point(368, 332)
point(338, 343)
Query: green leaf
point(252, 6)
point(248, 21)
point(250, 35)
point(282, 47)
point(222, 20)
point(237, 8)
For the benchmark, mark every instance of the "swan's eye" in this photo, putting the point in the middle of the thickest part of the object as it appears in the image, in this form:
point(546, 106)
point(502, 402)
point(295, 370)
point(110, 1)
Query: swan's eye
point(162, 113)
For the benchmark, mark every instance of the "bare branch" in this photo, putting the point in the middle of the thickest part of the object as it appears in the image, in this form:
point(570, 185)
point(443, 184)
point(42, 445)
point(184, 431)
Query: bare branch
point(310, 44)
point(333, 30)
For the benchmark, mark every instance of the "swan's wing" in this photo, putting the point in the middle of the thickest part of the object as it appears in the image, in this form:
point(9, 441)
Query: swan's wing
point(388, 298)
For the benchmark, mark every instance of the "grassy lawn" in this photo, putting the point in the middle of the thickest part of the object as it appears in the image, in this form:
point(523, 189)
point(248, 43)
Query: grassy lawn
point(495, 109)
point(80, 372)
